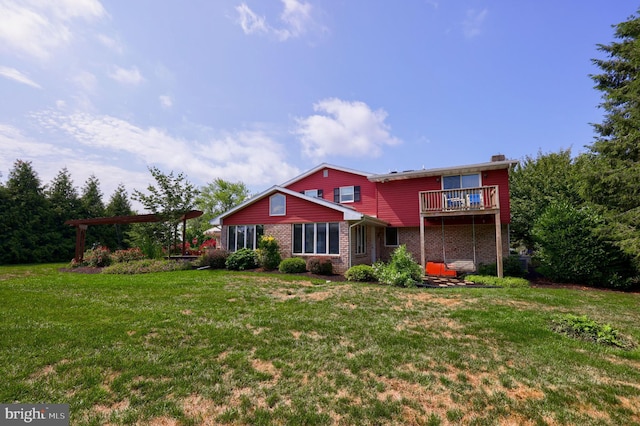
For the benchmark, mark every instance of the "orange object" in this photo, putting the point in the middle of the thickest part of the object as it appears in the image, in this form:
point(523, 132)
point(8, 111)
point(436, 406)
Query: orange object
point(439, 269)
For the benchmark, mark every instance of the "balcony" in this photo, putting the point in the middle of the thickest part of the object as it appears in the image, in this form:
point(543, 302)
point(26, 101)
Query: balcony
point(457, 202)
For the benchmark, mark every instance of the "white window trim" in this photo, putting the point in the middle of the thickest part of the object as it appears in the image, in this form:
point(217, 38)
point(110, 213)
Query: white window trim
point(353, 194)
point(397, 238)
point(360, 240)
point(315, 236)
point(284, 205)
point(460, 175)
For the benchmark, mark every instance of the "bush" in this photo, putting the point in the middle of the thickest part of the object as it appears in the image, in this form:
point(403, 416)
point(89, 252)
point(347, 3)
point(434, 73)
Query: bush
point(146, 266)
point(320, 266)
point(583, 327)
point(570, 249)
point(401, 271)
point(242, 259)
point(510, 282)
point(97, 257)
point(511, 267)
point(215, 259)
point(293, 265)
point(361, 273)
point(269, 253)
point(127, 255)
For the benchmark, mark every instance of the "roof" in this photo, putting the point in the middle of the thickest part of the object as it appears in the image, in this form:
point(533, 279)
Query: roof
point(322, 167)
point(349, 213)
point(471, 168)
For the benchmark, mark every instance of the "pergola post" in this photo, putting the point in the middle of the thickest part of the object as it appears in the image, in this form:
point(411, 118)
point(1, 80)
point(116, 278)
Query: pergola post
point(81, 234)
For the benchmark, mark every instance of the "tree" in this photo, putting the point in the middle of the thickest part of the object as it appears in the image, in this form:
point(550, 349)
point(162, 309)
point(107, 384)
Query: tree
point(172, 198)
point(214, 199)
point(92, 206)
point(27, 218)
point(219, 196)
point(536, 182)
point(119, 205)
point(612, 167)
point(570, 249)
point(65, 204)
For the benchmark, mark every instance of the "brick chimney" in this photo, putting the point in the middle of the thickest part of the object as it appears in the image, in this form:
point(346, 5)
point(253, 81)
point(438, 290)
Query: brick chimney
point(497, 157)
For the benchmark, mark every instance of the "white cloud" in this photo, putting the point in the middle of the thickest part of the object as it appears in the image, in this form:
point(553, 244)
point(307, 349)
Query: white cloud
point(127, 76)
point(250, 22)
point(85, 81)
point(252, 157)
point(296, 19)
point(344, 128)
point(472, 25)
point(14, 74)
point(37, 28)
point(165, 101)
point(113, 44)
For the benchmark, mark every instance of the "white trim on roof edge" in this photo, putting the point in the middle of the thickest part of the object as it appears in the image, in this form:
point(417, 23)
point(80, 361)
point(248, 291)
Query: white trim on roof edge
point(321, 167)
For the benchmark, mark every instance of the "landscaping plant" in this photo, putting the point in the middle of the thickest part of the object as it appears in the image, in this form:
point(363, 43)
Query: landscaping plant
point(401, 271)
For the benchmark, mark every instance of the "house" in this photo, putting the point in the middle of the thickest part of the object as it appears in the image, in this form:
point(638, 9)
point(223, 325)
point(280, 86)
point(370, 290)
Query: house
point(456, 217)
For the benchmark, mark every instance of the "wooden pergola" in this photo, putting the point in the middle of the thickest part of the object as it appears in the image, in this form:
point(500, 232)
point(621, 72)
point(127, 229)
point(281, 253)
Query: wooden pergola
point(82, 225)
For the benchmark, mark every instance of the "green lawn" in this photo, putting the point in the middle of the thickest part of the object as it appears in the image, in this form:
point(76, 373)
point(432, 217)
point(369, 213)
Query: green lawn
point(214, 347)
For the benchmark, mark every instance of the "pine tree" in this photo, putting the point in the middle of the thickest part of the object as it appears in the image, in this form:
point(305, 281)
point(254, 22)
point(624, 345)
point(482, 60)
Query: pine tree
point(612, 167)
point(65, 204)
point(119, 205)
point(92, 206)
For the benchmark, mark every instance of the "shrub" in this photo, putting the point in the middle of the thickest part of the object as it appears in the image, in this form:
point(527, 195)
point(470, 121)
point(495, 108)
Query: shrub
point(511, 267)
point(269, 253)
point(570, 249)
point(242, 259)
point(401, 271)
point(97, 257)
point(320, 266)
point(510, 282)
point(146, 266)
point(361, 273)
point(292, 265)
point(215, 259)
point(127, 255)
point(583, 327)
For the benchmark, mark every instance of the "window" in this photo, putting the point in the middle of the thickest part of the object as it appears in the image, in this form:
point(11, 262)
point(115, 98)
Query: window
point(316, 238)
point(277, 205)
point(316, 193)
point(461, 181)
point(361, 239)
point(346, 194)
point(244, 236)
point(391, 237)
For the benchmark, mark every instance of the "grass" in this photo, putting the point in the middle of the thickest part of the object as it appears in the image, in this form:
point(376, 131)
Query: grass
point(214, 347)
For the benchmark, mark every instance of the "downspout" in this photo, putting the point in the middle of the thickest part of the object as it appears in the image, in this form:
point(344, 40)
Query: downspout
point(350, 247)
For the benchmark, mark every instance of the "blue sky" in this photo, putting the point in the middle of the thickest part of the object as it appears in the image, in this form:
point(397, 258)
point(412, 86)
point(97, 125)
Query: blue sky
point(259, 91)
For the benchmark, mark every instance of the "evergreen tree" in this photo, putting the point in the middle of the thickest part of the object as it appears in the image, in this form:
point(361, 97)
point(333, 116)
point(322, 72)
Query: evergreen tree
point(65, 204)
point(27, 218)
point(612, 167)
point(119, 205)
point(92, 206)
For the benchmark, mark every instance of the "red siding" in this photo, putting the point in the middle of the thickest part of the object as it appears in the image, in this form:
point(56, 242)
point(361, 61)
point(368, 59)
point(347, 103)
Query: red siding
point(298, 211)
point(336, 179)
point(398, 200)
point(500, 178)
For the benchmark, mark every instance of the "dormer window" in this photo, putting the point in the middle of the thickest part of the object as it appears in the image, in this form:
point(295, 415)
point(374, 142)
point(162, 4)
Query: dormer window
point(277, 205)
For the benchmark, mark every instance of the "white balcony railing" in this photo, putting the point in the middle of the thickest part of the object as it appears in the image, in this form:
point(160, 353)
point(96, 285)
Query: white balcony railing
point(459, 201)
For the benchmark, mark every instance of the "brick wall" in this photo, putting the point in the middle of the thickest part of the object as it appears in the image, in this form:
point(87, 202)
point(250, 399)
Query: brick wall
point(458, 243)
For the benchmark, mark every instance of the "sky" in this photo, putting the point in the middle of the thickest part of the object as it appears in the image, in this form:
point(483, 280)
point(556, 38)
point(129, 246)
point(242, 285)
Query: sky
point(259, 91)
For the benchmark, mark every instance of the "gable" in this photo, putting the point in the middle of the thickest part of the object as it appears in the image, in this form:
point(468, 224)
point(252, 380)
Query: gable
point(298, 210)
point(327, 179)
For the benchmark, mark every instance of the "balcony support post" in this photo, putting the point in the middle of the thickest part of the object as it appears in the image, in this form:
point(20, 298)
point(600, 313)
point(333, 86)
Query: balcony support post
point(499, 245)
